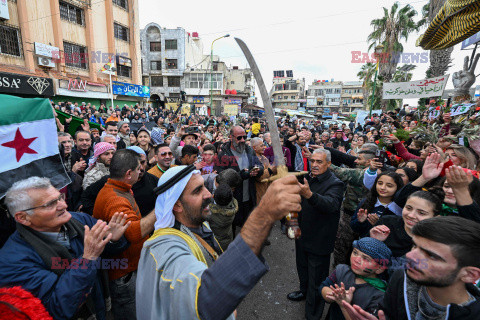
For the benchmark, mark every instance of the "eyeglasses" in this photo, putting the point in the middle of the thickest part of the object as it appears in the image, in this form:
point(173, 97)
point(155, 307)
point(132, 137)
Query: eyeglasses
point(241, 137)
point(163, 154)
point(50, 204)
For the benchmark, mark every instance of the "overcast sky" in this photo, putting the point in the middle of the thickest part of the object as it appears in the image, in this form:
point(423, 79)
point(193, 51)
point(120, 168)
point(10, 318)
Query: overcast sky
point(313, 38)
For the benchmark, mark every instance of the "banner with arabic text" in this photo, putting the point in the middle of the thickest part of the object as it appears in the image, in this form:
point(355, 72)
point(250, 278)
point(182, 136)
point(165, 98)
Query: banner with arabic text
point(426, 88)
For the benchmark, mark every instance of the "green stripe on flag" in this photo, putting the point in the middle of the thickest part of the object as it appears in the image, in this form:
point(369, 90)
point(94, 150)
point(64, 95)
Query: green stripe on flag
point(16, 110)
point(75, 123)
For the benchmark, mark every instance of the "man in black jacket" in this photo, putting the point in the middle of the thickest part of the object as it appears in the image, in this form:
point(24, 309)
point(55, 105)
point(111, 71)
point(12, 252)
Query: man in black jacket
point(438, 283)
point(322, 194)
point(240, 157)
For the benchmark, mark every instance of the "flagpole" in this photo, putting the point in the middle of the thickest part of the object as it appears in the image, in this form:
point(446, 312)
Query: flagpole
point(111, 88)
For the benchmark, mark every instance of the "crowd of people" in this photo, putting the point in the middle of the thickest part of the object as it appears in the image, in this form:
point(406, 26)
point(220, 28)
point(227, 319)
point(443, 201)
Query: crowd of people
point(169, 220)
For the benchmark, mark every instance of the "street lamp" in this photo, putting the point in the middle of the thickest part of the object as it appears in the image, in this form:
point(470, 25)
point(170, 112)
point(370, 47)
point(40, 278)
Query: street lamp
point(378, 52)
point(211, 73)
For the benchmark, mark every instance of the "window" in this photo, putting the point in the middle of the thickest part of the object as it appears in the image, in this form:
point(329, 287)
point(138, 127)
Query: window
point(174, 81)
point(121, 3)
point(293, 97)
point(124, 71)
point(157, 81)
point(232, 82)
point(171, 44)
point(75, 55)
point(290, 73)
point(120, 32)
point(171, 63)
point(72, 13)
point(279, 97)
point(155, 65)
point(10, 41)
point(279, 74)
point(155, 46)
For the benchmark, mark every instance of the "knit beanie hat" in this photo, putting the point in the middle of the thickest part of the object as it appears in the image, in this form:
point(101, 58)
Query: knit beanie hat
point(120, 124)
point(374, 248)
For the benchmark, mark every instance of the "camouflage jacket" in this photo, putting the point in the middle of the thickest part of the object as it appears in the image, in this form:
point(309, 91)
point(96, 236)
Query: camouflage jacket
point(355, 190)
point(94, 174)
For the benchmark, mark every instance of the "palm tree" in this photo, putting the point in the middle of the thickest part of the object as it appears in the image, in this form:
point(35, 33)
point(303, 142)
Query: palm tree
point(394, 26)
point(367, 74)
point(439, 59)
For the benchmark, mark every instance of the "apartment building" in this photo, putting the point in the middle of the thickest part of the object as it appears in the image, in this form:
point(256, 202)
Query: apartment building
point(287, 92)
point(56, 49)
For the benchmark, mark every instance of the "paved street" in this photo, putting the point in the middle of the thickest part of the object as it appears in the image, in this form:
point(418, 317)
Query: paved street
point(268, 300)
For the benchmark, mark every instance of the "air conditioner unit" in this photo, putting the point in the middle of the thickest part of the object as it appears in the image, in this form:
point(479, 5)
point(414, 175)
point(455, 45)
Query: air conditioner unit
point(46, 62)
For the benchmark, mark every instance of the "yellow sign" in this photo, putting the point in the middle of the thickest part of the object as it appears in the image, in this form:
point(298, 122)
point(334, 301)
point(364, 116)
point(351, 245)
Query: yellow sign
point(174, 106)
point(230, 109)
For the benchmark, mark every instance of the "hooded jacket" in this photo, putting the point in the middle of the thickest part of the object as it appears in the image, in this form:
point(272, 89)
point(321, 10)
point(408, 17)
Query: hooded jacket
point(221, 221)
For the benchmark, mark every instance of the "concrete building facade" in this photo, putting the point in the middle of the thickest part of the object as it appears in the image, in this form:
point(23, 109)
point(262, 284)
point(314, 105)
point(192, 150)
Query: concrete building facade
point(288, 92)
point(67, 42)
point(352, 96)
point(328, 97)
point(166, 53)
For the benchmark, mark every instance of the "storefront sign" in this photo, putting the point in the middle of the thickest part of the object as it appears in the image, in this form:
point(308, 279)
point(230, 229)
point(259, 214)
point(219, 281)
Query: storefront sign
point(128, 89)
point(20, 84)
point(234, 101)
point(198, 100)
point(77, 85)
point(124, 61)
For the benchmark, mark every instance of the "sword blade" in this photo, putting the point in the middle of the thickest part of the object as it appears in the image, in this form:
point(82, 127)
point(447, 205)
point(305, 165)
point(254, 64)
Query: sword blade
point(267, 105)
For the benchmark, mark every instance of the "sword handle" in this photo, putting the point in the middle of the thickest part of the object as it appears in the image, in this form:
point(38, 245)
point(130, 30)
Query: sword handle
point(293, 229)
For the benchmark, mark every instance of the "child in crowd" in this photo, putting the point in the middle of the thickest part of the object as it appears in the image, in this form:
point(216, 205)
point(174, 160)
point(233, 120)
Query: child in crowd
point(223, 212)
point(358, 284)
point(378, 202)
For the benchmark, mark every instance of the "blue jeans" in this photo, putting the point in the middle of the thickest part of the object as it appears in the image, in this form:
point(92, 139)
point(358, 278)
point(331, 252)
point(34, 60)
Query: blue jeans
point(122, 291)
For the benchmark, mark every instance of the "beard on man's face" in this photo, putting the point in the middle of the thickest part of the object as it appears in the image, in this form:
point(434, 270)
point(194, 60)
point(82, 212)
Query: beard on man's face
point(239, 145)
point(433, 281)
point(195, 215)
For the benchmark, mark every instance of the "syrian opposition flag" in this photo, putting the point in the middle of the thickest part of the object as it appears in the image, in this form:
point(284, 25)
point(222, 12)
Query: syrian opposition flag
point(28, 142)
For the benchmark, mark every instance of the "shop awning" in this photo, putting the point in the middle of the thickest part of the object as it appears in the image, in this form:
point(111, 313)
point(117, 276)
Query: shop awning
point(456, 21)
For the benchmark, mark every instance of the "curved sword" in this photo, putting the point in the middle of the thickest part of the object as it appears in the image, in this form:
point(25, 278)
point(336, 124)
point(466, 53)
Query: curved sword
point(269, 113)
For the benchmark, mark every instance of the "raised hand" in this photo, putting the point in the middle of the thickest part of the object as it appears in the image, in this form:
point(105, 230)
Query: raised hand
point(339, 293)
point(362, 215)
point(373, 218)
point(85, 125)
point(357, 313)
point(95, 240)
point(380, 232)
point(432, 167)
point(375, 164)
point(457, 178)
point(305, 189)
point(117, 225)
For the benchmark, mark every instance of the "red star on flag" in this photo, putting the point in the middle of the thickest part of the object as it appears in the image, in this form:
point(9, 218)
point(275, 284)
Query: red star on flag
point(20, 144)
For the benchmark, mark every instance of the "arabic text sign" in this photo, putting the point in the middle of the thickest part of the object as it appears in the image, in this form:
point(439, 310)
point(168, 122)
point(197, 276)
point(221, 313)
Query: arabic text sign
point(426, 88)
point(128, 89)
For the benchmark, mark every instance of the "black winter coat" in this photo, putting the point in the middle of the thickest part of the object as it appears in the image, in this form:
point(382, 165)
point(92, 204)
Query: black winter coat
point(227, 160)
point(320, 214)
